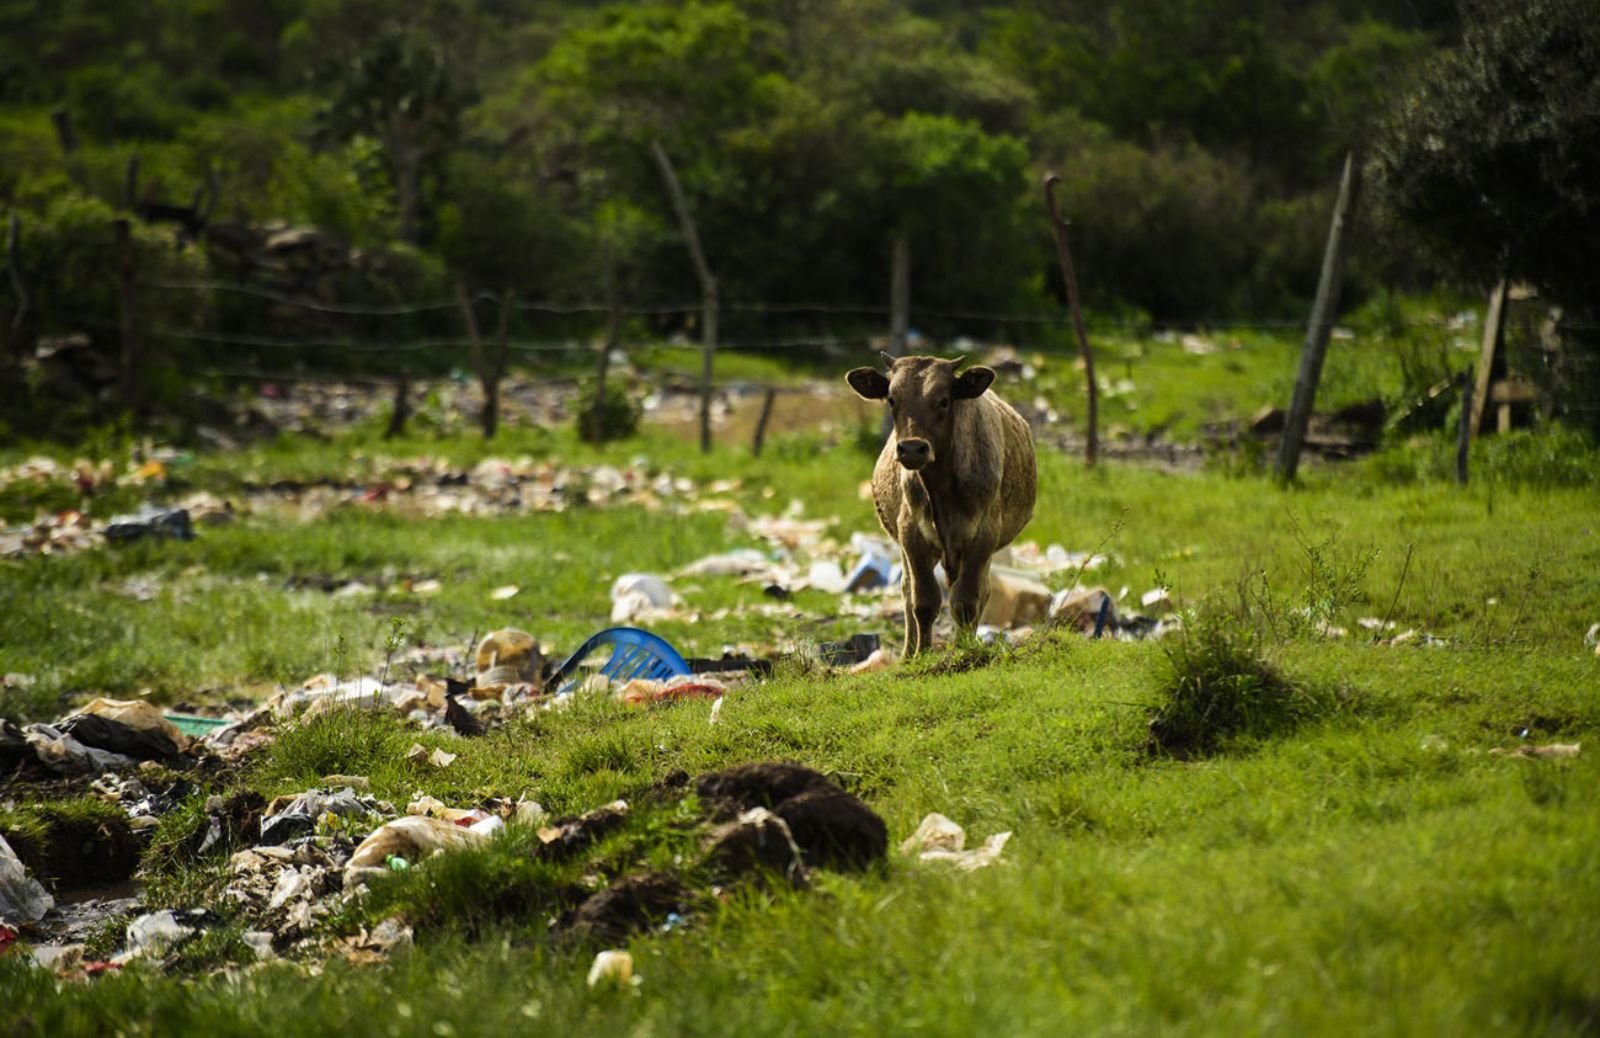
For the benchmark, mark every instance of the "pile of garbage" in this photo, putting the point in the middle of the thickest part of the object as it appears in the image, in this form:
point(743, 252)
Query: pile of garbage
point(1029, 586)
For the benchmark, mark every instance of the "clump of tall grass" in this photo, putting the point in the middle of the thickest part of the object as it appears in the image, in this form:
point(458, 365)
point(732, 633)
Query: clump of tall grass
point(1217, 686)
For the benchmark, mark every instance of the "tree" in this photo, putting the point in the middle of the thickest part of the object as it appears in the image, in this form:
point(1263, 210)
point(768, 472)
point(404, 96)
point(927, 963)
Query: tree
point(1494, 155)
point(399, 90)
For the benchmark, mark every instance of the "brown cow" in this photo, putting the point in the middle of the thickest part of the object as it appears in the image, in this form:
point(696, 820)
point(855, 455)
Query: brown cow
point(954, 484)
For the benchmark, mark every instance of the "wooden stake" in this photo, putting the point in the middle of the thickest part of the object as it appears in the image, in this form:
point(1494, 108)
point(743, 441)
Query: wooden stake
point(708, 288)
point(1464, 429)
point(1493, 327)
point(1323, 312)
point(761, 422)
point(486, 378)
point(1058, 226)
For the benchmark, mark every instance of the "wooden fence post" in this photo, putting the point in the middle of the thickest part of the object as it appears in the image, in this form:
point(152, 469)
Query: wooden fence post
point(1323, 311)
point(1493, 328)
point(1464, 429)
point(761, 422)
point(708, 288)
point(129, 381)
point(1058, 226)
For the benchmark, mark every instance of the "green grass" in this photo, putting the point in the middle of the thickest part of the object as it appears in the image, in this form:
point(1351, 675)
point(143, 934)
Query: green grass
point(1359, 864)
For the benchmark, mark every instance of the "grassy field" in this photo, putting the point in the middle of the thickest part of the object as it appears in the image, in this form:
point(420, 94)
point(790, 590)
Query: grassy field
point(1359, 864)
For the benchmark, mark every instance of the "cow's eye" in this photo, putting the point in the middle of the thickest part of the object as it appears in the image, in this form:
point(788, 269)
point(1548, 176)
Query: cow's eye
point(944, 405)
point(894, 405)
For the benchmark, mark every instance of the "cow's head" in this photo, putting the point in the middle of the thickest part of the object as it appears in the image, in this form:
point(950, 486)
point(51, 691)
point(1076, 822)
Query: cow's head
point(923, 394)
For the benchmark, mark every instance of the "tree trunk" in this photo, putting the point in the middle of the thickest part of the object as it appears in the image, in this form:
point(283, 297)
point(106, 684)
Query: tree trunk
point(899, 307)
point(408, 163)
point(708, 288)
point(15, 339)
point(1091, 447)
point(129, 380)
point(1323, 312)
point(480, 363)
point(402, 407)
point(595, 431)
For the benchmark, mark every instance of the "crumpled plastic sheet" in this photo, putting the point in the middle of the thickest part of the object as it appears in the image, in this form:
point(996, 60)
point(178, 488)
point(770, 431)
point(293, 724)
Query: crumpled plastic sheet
point(938, 839)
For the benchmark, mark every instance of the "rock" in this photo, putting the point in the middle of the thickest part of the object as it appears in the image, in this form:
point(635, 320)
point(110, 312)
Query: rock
point(834, 829)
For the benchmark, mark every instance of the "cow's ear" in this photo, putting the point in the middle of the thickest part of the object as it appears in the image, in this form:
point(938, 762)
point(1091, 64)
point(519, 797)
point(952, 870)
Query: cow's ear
point(972, 383)
point(868, 384)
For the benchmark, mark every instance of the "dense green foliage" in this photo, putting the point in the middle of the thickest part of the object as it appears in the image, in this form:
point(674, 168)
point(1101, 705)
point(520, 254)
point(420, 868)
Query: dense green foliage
point(1495, 155)
point(510, 141)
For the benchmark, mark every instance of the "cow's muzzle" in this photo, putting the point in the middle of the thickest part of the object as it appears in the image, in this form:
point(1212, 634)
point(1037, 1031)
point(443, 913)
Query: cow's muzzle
point(914, 454)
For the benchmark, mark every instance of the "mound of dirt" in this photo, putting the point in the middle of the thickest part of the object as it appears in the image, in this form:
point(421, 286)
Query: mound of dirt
point(832, 828)
point(631, 904)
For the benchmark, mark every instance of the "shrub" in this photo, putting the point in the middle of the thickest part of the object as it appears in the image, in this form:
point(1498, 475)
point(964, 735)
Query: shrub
point(615, 417)
point(1217, 686)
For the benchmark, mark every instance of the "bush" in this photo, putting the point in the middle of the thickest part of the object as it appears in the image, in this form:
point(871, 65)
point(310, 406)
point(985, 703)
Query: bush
point(616, 417)
point(1217, 686)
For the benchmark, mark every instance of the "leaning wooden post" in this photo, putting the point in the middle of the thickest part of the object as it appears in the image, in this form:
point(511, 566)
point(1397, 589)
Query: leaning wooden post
point(128, 374)
point(1322, 316)
point(899, 308)
point(761, 422)
point(1464, 429)
point(708, 288)
point(1058, 226)
point(1493, 329)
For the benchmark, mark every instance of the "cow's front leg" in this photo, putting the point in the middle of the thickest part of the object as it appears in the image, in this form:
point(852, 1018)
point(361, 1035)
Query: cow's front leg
point(969, 590)
point(923, 598)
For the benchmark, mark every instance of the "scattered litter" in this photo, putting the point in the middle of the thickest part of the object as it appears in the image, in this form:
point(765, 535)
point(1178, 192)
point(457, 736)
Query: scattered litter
point(171, 523)
point(425, 587)
point(938, 839)
point(153, 933)
point(1550, 751)
point(853, 650)
point(413, 838)
point(879, 660)
point(716, 711)
point(613, 968)
point(131, 727)
point(259, 942)
point(1155, 596)
point(1015, 598)
point(420, 754)
point(22, 898)
point(500, 594)
point(370, 947)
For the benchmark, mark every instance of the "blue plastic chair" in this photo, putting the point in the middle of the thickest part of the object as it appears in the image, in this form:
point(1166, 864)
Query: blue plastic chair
point(635, 653)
